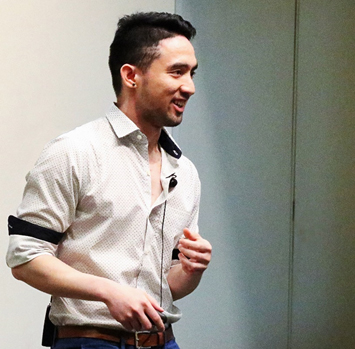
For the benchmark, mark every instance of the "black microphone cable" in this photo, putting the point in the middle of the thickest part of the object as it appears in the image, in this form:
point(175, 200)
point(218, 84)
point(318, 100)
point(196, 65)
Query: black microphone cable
point(173, 183)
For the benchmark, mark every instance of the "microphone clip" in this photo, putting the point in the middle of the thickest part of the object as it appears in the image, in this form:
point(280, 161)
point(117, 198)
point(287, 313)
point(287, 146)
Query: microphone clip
point(173, 181)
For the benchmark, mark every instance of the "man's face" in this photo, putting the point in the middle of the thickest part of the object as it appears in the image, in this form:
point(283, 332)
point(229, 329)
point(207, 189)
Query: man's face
point(167, 85)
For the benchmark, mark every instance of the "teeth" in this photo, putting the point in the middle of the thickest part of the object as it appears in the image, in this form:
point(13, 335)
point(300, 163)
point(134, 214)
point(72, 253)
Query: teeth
point(179, 104)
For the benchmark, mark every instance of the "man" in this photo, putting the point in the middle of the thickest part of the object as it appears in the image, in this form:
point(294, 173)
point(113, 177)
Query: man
point(108, 221)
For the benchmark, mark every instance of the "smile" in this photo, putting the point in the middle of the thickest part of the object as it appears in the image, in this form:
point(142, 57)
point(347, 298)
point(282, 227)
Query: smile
point(180, 103)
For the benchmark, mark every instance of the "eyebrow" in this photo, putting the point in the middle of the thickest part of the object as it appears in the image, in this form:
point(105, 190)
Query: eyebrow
point(183, 66)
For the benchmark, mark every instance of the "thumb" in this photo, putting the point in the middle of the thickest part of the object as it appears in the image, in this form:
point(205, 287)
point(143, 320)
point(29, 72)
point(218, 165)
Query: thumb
point(190, 235)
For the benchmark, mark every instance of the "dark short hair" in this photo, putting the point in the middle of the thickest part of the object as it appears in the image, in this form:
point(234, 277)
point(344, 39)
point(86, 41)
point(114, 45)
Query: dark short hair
point(137, 38)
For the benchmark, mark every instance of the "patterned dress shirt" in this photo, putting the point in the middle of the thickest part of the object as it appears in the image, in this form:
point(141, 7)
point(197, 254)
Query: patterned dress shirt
point(88, 202)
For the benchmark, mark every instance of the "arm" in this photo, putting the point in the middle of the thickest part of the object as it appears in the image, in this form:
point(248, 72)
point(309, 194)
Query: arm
point(50, 201)
point(195, 255)
point(130, 306)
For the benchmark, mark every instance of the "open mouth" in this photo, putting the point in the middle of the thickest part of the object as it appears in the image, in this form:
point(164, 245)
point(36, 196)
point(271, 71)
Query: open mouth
point(179, 104)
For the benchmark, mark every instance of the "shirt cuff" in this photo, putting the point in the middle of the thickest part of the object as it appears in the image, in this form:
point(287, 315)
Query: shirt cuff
point(23, 249)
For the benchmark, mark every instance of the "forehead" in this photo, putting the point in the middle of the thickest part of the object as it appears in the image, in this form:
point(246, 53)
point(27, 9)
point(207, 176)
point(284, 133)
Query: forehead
point(176, 49)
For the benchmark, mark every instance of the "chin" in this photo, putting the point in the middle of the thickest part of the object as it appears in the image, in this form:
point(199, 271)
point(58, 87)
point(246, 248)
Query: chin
point(175, 120)
point(173, 123)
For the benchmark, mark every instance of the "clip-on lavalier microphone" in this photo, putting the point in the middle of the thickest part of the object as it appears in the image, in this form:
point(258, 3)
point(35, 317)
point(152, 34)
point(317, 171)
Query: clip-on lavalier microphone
point(173, 181)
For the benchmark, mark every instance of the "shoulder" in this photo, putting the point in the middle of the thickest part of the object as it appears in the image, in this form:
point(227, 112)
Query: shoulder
point(76, 153)
point(188, 167)
point(189, 174)
point(86, 134)
point(82, 140)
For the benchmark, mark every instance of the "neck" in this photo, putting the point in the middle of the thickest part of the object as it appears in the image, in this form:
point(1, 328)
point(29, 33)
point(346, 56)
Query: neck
point(153, 135)
point(154, 153)
point(152, 132)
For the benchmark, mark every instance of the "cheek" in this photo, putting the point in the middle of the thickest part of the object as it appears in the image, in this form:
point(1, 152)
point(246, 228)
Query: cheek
point(159, 91)
point(163, 85)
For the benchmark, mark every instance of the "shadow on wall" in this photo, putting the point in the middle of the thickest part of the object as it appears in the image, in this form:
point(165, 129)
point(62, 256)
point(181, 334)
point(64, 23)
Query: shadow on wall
point(237, 130)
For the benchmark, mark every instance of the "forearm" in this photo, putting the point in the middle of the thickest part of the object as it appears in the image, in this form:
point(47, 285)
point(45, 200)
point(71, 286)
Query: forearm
point(50, 275)
point(181, 283)
point(133, 308)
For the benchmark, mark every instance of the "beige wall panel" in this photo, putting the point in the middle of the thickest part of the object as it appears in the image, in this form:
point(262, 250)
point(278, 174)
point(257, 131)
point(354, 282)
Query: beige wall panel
point(53, 76)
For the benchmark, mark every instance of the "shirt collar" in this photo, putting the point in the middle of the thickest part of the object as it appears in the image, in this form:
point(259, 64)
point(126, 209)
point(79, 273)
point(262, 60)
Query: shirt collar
point(123, 126)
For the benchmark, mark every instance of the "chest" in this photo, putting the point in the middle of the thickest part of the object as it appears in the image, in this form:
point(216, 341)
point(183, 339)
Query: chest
point(155, 174)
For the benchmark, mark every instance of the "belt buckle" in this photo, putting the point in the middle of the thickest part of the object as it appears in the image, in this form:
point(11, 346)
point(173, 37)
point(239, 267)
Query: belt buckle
point(136, 339)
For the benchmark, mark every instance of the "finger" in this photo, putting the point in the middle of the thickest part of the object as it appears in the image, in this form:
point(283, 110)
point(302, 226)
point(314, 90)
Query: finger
point(129, 325)
point(192, 245)
point(153, 315)
point(187, 264)
point(154, 303)
point(136, 325)
point(189, 253)
point(195, 260)
point(155, 319)
point(201, 245)
point(145, 322)
point(192, 266)
point(195, 257)
point(190, 235)
point(185, 260)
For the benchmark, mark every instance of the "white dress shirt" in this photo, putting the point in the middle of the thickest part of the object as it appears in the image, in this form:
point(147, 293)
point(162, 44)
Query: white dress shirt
point(91, 188)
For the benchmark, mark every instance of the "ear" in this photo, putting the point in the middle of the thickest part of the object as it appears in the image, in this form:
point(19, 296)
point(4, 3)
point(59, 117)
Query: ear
point(129, 75)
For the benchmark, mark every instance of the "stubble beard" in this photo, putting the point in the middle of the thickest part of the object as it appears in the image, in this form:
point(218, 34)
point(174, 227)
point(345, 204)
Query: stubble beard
point(162, 119)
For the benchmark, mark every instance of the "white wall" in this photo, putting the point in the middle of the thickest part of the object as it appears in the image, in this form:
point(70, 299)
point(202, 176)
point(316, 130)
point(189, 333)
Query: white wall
point(53, 76)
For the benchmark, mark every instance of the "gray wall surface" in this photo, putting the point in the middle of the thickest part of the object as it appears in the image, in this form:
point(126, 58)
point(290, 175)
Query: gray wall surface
point(324, 260)
point(272, 122)
point(237, 130)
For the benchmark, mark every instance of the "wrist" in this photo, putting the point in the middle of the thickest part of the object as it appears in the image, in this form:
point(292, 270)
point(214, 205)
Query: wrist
point(105, 289)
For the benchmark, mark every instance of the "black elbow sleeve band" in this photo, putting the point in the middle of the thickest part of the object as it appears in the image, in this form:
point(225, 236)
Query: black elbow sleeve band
point(18, 226)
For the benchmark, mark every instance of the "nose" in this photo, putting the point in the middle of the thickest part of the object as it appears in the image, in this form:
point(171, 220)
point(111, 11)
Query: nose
point(188, 86)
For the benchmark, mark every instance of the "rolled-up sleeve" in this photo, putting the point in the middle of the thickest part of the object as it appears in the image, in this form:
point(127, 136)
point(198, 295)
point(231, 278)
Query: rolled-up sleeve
point(48, 205)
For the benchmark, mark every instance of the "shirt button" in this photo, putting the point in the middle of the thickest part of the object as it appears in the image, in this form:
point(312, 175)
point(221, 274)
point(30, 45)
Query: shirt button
point(139, 137)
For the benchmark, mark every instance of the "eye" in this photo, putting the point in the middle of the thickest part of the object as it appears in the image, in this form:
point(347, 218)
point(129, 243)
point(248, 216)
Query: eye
point(178, 72)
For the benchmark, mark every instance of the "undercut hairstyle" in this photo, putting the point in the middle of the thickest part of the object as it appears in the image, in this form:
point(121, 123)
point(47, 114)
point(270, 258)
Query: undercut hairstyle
point(137, 39)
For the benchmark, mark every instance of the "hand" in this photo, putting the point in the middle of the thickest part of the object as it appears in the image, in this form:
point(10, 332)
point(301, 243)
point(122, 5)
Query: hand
point(195, 252)
point(134, 309)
